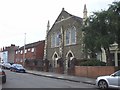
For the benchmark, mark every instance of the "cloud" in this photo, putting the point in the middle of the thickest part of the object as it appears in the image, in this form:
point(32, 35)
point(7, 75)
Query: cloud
point(31, 16)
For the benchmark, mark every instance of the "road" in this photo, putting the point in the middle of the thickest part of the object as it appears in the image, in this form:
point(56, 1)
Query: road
point(24, 80)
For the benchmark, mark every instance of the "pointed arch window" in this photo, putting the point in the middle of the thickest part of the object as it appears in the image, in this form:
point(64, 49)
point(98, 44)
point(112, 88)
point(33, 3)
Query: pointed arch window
point(67, 37)
point(73, 35)
point(70, 36)
point(55, 39)
point(52, 40)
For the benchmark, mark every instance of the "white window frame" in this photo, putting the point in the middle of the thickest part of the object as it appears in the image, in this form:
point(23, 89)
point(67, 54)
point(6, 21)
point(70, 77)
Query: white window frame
point(54, 38)
point(52, 42)
point(66, 37)
point(75, 35)
point(70, 36)
point(57, 39)
point(33, 49)
point(25, 51)
point(21, 52)
point(16, 52)
point(28, 49)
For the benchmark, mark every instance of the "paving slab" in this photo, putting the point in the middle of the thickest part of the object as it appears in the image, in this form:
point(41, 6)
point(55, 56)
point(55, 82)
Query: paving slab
point(63, 77)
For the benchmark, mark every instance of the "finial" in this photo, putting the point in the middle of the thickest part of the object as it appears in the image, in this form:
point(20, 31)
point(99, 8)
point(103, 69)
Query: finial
point(63, 9)
point(85, 8)
point(84, 15)
point(48, 26)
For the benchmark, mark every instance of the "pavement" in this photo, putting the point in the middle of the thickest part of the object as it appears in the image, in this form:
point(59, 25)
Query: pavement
point(63, 76)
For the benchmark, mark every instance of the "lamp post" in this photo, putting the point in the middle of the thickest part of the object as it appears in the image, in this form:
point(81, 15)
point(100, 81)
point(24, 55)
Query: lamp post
point(24, 50)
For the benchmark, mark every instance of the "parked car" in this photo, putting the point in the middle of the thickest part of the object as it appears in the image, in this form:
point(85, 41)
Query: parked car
point(6, 65)
point(111, 81)
point(1, 65)
point(2, 76)
point(17, 68)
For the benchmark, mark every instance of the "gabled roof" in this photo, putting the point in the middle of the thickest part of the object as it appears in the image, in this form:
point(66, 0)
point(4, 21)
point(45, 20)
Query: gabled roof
point(64, 14)
point(31, 45)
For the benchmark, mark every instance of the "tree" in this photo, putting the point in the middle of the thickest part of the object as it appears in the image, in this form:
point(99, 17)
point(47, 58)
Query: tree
point(114, 17)
point(103, 29)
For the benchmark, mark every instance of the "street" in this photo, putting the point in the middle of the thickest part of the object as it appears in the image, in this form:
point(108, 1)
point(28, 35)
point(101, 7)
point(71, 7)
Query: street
point(24, 80)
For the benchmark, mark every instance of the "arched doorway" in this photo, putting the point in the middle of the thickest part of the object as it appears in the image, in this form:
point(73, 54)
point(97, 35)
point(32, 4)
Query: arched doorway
point(69, 57)
point(54, 60)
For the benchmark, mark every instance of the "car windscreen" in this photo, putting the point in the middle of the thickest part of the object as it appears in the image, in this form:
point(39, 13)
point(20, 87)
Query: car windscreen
point(19, 66)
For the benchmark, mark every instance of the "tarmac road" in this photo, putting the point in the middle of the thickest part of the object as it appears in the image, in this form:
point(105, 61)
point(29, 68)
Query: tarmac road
point(24, 80)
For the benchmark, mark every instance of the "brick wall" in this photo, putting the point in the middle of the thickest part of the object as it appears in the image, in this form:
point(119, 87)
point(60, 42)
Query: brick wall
point(94, 71)
point(40, 51)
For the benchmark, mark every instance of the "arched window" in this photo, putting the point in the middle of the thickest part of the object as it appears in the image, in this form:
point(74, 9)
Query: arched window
point(73, 35)
point(55, 39)
point(58, 39)
point(70, 36)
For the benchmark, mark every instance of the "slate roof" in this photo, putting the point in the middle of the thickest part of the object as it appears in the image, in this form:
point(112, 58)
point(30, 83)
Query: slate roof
point(31, 45)
point(73, 16)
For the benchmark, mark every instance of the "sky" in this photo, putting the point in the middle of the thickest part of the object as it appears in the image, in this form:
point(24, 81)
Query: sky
point(18, 17)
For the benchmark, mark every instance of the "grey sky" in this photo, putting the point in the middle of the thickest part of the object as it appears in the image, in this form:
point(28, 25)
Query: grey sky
point(30, 16)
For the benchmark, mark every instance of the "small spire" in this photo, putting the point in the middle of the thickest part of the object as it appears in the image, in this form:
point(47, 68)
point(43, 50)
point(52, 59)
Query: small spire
point(48, 26)
point(63, 9)
point(85, 9)
point(85, 12)
point(85, 15)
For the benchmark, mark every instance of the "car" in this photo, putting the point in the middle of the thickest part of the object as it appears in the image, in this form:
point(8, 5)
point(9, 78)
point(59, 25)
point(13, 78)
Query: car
point(17, 68)
point(2, 66)
point(6, 65)
point(110, 81)
point(2, 76)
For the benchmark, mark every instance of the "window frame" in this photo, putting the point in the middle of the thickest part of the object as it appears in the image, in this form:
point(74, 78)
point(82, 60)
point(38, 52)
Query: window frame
point(69, 30)
point(33, 49)
point(55, 39)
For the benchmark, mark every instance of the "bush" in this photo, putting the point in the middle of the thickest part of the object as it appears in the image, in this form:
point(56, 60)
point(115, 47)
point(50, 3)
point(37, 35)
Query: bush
point(92, 63)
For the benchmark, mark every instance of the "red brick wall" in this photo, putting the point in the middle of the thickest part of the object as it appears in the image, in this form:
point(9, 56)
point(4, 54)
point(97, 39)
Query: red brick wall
point(18, 56)
point(40, 51)
point(30, 55)
point(93, 71)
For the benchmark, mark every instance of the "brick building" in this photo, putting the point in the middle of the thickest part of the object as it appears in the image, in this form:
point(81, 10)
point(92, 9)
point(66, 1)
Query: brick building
point(7, 53)
point(33, 52)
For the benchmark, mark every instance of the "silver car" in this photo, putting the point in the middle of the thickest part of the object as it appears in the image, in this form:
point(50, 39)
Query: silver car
point(6, 65)
point(111, 81)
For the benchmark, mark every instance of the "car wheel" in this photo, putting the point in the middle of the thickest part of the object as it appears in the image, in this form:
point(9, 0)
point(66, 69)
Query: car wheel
point(102, 84)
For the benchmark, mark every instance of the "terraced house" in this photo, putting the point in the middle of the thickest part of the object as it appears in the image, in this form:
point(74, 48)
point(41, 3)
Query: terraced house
point(31, 55)
point(64, 41)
